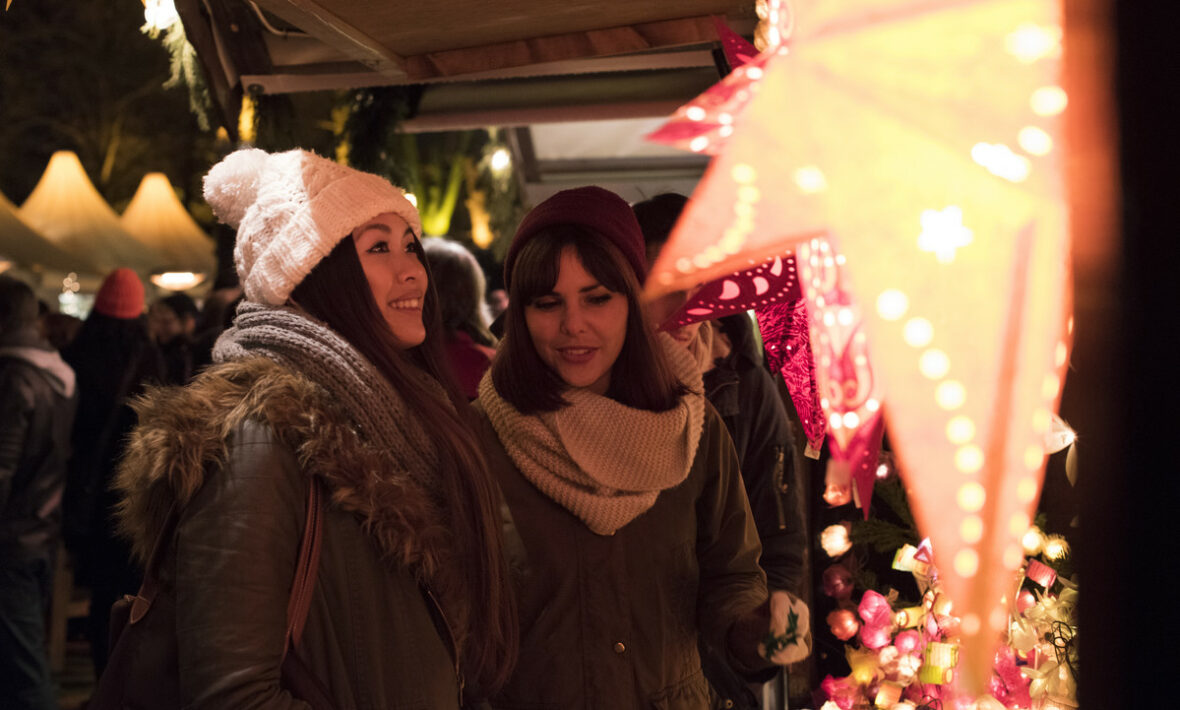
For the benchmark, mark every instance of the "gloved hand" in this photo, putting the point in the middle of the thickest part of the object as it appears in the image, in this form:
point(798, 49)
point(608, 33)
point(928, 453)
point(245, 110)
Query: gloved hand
point(789, 638)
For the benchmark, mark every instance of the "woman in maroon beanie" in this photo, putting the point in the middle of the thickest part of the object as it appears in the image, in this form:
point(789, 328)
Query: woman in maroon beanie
point(629, 532)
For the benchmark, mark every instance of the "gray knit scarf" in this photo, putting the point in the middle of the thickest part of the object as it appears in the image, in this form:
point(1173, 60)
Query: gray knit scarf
point(601, 460)
point(298, 341)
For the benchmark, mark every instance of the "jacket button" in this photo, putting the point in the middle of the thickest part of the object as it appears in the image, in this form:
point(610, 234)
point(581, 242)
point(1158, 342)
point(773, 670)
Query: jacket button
point(619, 647)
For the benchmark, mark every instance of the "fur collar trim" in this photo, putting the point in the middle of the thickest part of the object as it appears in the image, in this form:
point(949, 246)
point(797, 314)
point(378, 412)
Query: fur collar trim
point(182, 436)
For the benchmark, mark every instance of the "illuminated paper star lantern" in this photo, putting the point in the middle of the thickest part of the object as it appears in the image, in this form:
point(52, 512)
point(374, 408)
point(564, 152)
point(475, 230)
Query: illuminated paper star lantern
point(870, 115)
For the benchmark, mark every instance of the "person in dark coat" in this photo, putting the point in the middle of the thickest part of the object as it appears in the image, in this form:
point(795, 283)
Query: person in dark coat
point(115, 359)
point(461, 285)
point(37, 400)
point(332, 375)
point(740, 388)
point(172, 321)
point(628, 526)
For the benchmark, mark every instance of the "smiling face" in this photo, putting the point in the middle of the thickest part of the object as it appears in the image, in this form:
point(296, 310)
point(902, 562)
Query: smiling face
point(578, 328)
point(391, 258)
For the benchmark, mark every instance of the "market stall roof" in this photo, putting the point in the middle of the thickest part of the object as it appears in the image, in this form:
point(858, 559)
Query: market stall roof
point(20, 244)
point(157, 218)
point(66, 208)
point(614, 58)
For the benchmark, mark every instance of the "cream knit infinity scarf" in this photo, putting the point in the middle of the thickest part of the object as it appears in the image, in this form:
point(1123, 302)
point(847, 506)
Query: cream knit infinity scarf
point(296, 340)
point(601, 460)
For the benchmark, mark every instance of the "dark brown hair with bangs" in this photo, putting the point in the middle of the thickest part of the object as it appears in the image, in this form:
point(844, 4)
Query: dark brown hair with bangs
point(337, 292)
point(640, 377)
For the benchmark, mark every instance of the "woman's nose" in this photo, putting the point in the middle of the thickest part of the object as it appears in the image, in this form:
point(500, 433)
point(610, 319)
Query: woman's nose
point(572, 320)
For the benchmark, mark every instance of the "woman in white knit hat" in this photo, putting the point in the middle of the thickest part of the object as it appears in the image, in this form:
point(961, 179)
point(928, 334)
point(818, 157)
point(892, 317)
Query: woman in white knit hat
point(630, 533)
point(331, 377)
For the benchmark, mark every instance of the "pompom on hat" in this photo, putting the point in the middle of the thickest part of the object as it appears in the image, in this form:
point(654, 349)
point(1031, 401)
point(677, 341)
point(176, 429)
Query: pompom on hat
point(291, 209)
point(120, 295)
point(595, 208)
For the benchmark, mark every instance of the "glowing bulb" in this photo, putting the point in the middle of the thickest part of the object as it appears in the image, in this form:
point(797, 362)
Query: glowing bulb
point(413, 199)
point(882, 471)
point(960, 430)
point(971, 497)
point(1013, 556)
point(872, 405)
point(851, 421)
point(835, 540)
point(754, 73)
point(1034, 456)
point(1032, 541)
point(698, 144)
point(844, 317)
point(695, 113)
point(966, 564)
point(749, 193)
point(918, 332)
point(1048, 101)
point(950, 395)
point(934, 364)
point(177, 280)
point(1026, 490)
point(971, 529)
point(943, 232)
point(1001, 161)
point(892, 304)
point(159, 15)
point(1056, 548)
point(969, 459)
point(811, 180)
point(501, 159)
point(1018, 524)
point(1035, 140)
point(724, 118)
point(1061, 355)
point(725, 131)
point(1030, 42)
point(836, 421)
point(743, 173)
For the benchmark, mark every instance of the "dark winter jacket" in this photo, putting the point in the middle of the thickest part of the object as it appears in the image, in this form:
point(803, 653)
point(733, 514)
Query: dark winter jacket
point(37, 401)
point(236, 450)
point(612, 621)
point(745, 396)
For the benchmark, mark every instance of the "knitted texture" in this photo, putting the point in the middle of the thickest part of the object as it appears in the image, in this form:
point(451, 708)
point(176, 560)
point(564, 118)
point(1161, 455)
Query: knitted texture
point(291, 209)
point(120, 295)
point(601, 460)
point(600, 210)
point(297, 341)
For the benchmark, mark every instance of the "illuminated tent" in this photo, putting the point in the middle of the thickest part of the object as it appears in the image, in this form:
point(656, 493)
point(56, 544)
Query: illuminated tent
point(21, 245)
point(66, 208)
point(156, 218)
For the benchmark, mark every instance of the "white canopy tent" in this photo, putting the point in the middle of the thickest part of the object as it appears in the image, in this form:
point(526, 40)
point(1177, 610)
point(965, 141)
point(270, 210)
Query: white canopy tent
point(157, 218)
point(22, 246)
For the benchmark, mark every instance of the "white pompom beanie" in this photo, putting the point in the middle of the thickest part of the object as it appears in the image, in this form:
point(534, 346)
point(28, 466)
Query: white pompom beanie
point(291, 209)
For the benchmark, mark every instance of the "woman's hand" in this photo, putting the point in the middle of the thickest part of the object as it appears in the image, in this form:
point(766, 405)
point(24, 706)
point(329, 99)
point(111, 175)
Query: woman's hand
point(789, 638)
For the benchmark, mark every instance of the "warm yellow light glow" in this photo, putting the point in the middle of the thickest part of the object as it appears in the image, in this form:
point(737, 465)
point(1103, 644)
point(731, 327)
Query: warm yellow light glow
point(943, 232)
point(1034, 456)
point(1042, 420)
point(971, 497)
point(835, 541)
point(749, 193)
point(934, 364)
point(1056, 548)
point(743, 173)
point(971, 529)
point(1048, 101)
point(811, 180)
point(724, 118)
point(177, 280)
point(695, 113)
point(969, 459)
point(754, 73)
point(1030, 42)
point(1013, 556)
point(970, 623)
point(892, 304)
point(1018, 524)
point(872, 405)
point(844, 316)
point(967, 563)
point(998, 620)
point(698, 144)
point(851, 420)
point(918, 332)
point(5, 265)
point(960, 429)
point(950, 395)
point(1035, 140)
point(882, 471)
point(501, 160)
point(412, 198)
point(1032, 541)
point(836, 421)
point(1050, 386)
point(999, 160)
point(1026, 490)
point(247, 121)
point(159, 15)
point(725, 131)
point(1062, 354)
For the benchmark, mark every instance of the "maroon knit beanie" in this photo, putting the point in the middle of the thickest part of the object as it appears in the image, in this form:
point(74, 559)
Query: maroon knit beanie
point(599, 210)
point(121, 295)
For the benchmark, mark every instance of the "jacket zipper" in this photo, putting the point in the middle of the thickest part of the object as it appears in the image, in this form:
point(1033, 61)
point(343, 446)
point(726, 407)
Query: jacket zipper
point(450, 637)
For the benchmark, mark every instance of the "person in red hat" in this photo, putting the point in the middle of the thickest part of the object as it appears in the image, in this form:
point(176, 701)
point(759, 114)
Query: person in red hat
point(115, 359)
point(629, 527)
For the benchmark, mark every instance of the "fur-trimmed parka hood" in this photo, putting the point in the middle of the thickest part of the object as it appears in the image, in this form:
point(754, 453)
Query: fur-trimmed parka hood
point(182, 438)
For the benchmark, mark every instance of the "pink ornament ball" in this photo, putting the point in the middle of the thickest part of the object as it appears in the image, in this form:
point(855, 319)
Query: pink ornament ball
point(843, 624)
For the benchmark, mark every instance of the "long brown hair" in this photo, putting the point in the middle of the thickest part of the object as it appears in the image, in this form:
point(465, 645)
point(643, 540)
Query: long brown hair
point(337, 293)
point(640, 377)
